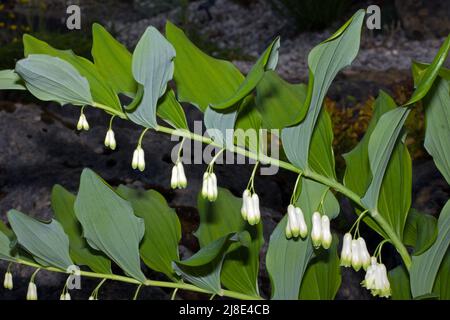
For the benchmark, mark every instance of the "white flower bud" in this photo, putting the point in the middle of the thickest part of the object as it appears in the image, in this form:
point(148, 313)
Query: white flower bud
point(85, 123)
point(256, 217)
point(251, 215)
point(364, 253)
point(67, 296)
point(292, 229)
point(244, 209)
point(174, 178)
point(302, 222)
point(8, 282)
point(212, 187)
point(134, 162)
point(327, 238)
point(316, 232)
point(92, 298)
point(356, 255)
point(80, 123)
point(182, 180)
point(141, 159)
point(346, 253)
point(32, 291)
point(205, 185)
point(62, 296)
point(110, 140)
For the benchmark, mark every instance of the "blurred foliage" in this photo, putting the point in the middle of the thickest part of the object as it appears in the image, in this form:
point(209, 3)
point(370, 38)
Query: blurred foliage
point(312, 14)
point(351, 122)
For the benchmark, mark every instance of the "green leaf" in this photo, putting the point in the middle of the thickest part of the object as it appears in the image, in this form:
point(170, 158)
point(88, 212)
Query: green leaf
point(248, 123)
point(6, 236)
point(162, 229)
point(266, 62)
point(170, 110)
point(437, 116)
point(203, 268)
point(279, 102)
point(152, 67)
point(113, 61)
point(47, 242)
point(424, 267)
point(109, 224)
point(324, 62)
point(201, 80)
point(9, 80)
point(420, 231)
point(101, 92)
point(220, 125)
point(322, 279)
point(425, 79)
point(52, 79)
point(441, 284)
point(399, 280)
point(381, 144)
point(222, 217)
point(62, 205)
point(287, 259)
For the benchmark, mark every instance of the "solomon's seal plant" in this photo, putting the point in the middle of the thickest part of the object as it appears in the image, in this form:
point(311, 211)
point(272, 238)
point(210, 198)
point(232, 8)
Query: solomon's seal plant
point(103, 225)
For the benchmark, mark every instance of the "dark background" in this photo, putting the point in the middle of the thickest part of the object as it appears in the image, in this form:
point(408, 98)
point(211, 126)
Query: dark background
point(40, 147)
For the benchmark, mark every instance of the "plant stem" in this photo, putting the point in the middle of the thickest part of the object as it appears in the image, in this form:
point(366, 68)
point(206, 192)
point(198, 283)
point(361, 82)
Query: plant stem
point(148, 282)
point(332, 183)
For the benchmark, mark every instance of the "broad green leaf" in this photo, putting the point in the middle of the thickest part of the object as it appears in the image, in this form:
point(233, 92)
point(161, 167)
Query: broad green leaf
point(162, 229)
point(113, 61)
point(170, 110)
point(287, 259)
point(324, 62)
point(52, 79)
point(9, 80)
point(437, 116)
point(47, 242)
point(425, 79)
point(322, 279)
point(442, 283)
point(399, 280)
point(109, 224)
point(279, 102)
point(424, 267)
point(6, 236)
point(101, 92)
point(62, 205)
point(152, 68)
point(247, 132)
point(266, 62)
point(321, 154)
point(222, 217)
point(203, 268)
point(420, 231)
point(220, 125)
point(381, 144)
point(201, 80)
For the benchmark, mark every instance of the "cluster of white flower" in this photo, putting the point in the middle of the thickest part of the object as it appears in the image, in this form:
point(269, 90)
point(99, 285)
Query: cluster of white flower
point(32, 291)
point(65, 296)
point(138, 161)
point(296, 225)
point(178, 179)
point(110, 140)
point(376, 279)
point(8, 282)
point(82, 123)
point(250, 207)
point(321, 233)
point(209, 186)
point(354, 253)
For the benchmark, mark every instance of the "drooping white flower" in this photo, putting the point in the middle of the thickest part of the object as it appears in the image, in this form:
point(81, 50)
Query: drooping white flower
point(376, 279)
point(8, 282)
point(369, 279)
point(296, 225)
point(32, 291)
point(254, 215)
point(246, 195)
point(91, 298)
point(209, 186)
point(62, 296)
point(67, 296)
point(326, 232)
point(356, 255)
point(346, 253)
point(110, 140)
point(174, 178)
point(82, 123)
point(364, 253)
point(316, 232)
point(182, 180)
point(138, 161)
